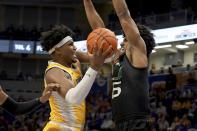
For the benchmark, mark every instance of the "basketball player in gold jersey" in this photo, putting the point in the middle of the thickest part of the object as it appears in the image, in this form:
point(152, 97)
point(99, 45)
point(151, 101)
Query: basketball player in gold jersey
point(68, 103)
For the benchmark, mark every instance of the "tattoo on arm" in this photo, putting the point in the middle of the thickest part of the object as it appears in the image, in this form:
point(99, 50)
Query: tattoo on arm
point(121, 8)
point(67, 75)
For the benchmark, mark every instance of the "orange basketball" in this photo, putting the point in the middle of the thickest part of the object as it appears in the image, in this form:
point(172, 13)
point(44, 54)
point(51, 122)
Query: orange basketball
point(101, 34)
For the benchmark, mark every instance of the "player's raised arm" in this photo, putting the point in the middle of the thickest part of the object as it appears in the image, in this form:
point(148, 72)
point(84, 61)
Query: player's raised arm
point(95, 22)
point(94, 19)
point(20, 108)
point(136, 46)
point(129, 27)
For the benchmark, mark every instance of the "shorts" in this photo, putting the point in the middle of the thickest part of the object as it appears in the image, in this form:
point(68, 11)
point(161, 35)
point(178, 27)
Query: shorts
point(52, 126)
point(133, 125)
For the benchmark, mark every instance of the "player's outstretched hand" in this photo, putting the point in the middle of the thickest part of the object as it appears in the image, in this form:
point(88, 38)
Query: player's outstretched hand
point(48, 91)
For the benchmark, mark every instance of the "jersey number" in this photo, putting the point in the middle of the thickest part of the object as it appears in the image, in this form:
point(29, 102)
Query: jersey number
point(116, 90)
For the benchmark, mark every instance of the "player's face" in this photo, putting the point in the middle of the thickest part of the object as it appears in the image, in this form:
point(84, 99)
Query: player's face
point(123, 45)
point(68, 51)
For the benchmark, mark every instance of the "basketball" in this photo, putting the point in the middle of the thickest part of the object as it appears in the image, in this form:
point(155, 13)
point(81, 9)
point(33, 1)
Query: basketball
point(101, 34)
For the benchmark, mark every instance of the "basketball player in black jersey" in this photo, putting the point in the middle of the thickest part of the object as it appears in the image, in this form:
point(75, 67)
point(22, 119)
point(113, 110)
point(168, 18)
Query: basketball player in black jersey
point(20, 108)
point(130, 70)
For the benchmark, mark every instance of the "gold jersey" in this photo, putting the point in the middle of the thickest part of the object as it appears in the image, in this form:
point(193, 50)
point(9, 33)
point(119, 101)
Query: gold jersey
point(62, 111)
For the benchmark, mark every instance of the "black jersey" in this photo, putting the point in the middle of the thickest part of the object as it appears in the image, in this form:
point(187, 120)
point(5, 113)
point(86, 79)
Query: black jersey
point(130, 91)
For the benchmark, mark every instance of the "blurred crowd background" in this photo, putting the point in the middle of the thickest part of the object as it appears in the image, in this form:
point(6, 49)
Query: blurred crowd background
point(173, 87)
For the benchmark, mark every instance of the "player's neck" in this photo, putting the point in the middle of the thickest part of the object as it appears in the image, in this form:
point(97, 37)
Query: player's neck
point(117, 56)
point(64, 63)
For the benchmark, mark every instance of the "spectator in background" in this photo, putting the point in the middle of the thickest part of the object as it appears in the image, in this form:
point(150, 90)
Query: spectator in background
point(107, 124)
point(151, 72)
point(188, 67)
point(29, 77)
point(180, 128)
point(177, 93)
point(185, 122)
point(192, 113)
point(162, 70)
point(10, 30)
point(153, 108)
point(153, 69)
point(20, 76)
point(154, 123)
point(161, 109)
point(175, 122)
point(170, 80)
point(191, 80)
point(34, 33)
point(97, 122)
point(3, 75)
point(186, 104)
point(163, 123)
point(179, 63)
point(176, 108)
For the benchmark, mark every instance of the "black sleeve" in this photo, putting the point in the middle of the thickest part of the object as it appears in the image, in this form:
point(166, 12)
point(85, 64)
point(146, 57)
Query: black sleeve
point(20, 108)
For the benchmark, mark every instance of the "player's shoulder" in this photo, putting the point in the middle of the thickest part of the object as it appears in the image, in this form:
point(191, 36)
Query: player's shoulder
point(56, 75)
point(54, 71)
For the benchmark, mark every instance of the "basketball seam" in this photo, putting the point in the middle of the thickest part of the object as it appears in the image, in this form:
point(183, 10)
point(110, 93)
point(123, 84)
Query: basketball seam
point(111, 37)
point(95, 35)
point(106, 39)
point(100, 35)
point(92, 37)
point(108, 42)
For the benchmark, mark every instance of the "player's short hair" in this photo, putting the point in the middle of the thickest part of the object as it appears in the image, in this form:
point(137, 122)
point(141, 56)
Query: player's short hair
point(50, 38)
point(148, 38)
